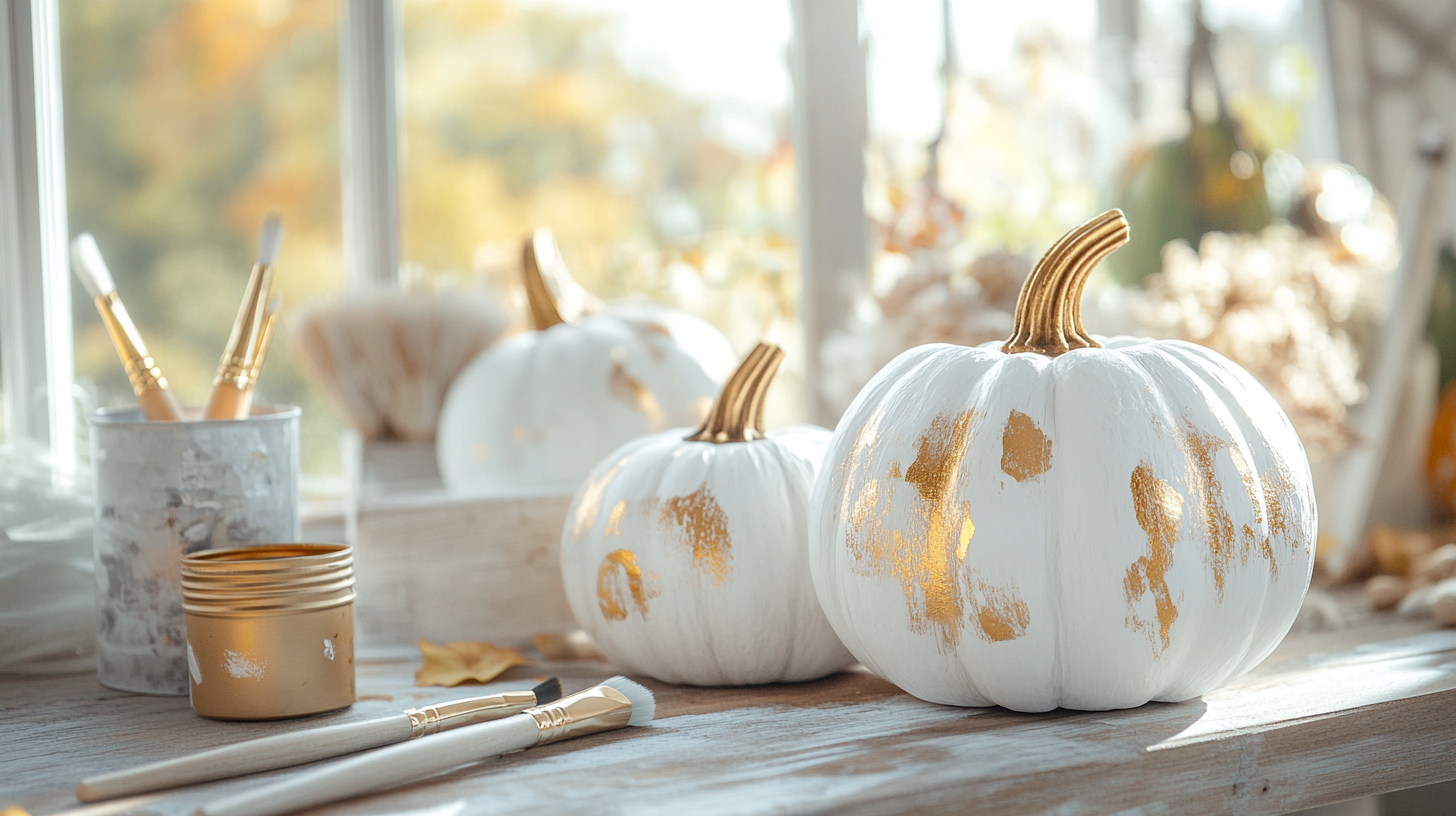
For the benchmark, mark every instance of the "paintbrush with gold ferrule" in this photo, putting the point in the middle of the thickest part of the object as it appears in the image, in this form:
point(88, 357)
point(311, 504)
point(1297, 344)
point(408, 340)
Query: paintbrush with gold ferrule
point(616, 703)
point(260, 354)
point(230, 386)
point(300, 747)
point(157, 402)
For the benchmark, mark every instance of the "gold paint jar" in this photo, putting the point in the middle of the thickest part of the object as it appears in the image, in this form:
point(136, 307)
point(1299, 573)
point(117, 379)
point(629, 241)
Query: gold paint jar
point(270, 630)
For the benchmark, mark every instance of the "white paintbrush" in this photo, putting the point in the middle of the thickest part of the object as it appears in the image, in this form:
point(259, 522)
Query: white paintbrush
point(616, 703)
point(156, 400)
point(300, 747)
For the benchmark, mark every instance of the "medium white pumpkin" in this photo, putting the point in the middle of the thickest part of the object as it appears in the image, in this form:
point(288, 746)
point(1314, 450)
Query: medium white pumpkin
point(1062, 521)
point(543, 407)
point(684, 557)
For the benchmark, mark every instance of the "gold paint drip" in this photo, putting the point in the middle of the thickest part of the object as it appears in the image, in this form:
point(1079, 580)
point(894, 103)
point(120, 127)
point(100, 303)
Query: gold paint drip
point(927, 556)
point(614, 521)
point(999, 612)
point(1159, 511)
point(1049, 309)
point(629, 389)
point(619, 579)
point(590, 502)
point(1026, 452)
point(941, 449)
point(704, 527)
point(1200, 450)
point(737, 414)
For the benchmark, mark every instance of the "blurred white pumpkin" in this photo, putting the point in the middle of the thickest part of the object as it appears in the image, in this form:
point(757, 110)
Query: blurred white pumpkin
point(685, 557)
point(1062, 520)
point(543, 407)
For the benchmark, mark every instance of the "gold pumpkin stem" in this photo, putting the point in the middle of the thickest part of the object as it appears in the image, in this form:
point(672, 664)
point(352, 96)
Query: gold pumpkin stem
point(737, 414)
point(1049, 309)
point(538, 252)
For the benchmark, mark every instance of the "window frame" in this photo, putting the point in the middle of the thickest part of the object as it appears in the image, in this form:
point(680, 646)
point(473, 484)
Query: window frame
point(36, 346)
point(35, 284)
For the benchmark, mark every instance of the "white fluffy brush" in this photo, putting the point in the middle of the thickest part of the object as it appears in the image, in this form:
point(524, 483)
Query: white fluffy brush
point(387, 358)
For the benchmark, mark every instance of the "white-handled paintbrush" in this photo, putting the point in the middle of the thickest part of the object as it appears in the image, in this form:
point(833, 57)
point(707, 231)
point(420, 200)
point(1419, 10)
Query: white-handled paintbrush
point(155, 399)
point(298, 748)
point(230, 386)
point(616, 703)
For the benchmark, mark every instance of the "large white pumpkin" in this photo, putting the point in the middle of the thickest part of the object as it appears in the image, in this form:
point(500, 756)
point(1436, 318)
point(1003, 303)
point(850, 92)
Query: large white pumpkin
point(684, 554)
point(1063, 520)
point(543, 407)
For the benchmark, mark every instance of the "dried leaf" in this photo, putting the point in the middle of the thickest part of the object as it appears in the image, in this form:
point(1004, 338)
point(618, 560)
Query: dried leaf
point(460, 660)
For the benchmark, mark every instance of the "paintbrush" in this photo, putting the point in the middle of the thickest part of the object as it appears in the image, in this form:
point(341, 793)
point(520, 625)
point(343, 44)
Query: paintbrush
point(285, 750)
point(616, 703)
point(260, 354)
point(387, 359)
point(231, 383)
point(157, 402)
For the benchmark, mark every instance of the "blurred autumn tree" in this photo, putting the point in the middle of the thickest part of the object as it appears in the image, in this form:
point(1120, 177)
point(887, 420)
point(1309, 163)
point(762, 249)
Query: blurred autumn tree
point(523, 115)
point(186, 121)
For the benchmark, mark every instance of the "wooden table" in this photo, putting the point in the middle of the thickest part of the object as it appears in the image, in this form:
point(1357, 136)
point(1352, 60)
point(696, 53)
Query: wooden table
point(1328, 717)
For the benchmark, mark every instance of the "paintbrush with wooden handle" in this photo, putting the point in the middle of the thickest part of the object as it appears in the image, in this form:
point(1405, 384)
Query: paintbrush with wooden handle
point(286, 750)
point(156, 400)
point(230, 386)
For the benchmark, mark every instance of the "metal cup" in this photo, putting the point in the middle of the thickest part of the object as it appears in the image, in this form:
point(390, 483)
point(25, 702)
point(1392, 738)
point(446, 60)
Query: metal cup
point(167, 489)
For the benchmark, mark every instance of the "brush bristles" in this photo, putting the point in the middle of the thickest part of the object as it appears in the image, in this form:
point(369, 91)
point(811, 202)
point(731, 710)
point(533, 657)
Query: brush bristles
point(387, 359)
point(644, 705)
point(548, 692)
point(90, 267)
point(270, 239)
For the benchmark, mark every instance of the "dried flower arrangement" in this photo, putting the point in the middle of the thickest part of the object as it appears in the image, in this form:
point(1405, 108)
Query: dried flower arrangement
point(1280, 305)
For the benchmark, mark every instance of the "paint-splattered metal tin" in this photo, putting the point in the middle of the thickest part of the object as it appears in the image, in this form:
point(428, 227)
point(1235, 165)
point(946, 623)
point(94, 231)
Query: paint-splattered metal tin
point(166, 489)
point(270, 630)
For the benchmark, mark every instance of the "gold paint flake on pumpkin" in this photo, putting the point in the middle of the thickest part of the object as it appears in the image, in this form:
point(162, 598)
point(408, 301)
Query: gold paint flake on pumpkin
point(927, 556)
point(1200, 450)
point(968, 529)
point(619, 579)
point(999, 612)
point(627, 388)
point(1026, 452)
point(590, 502)
point(704, 527)
point(614, 520)
point(1159, 511)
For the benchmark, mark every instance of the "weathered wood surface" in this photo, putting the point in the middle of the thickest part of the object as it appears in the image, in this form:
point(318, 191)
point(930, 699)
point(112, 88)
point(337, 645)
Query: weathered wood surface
point(1326, 718)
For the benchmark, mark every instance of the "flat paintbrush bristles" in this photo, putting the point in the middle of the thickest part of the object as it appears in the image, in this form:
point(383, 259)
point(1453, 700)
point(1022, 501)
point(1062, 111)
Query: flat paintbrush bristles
point(548, 691)
point(644, 705)
point(91, 267)
point(270, 239)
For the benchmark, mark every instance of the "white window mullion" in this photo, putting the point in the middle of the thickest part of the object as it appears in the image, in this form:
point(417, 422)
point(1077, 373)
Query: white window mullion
point(830, 129)
point(35, 290)
point(370, 79)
